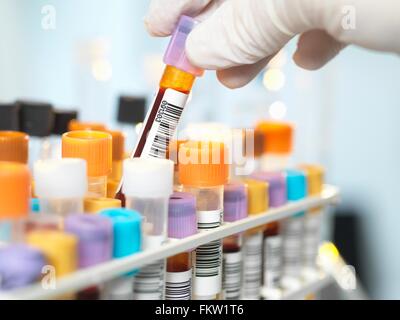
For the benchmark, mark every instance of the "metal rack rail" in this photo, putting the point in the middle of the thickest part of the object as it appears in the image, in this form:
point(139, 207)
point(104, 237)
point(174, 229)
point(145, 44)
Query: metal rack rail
point(100, 273)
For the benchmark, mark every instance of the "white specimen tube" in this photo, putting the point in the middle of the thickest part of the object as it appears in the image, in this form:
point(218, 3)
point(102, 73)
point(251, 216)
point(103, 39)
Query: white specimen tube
point(60, 185)
point(148, 184)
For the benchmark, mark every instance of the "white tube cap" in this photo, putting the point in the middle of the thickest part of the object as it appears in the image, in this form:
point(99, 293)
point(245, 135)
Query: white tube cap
point(60, 178)
point(148, 177)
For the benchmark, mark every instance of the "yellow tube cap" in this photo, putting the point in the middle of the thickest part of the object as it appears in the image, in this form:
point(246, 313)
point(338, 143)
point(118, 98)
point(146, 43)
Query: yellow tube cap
point(95, 205)
point(93, 146)
point(257, 196)
point(14, 146)
point(112, 188)
point(315, 177)
point(59, 248)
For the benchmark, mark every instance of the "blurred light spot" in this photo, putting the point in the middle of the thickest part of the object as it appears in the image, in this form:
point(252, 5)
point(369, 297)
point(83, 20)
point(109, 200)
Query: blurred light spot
point(329, 251)
point(279, 60)
point(277, 110)
point(138, 127)
point(274, 79)
point(101, 70)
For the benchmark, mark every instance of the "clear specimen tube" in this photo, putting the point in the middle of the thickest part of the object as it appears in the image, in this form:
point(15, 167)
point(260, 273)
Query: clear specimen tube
point(127, 241)
point(203, 172)
point(147, 188)
point(182, 223)
point(253, 240)
point(235, 208)
point(60, 185)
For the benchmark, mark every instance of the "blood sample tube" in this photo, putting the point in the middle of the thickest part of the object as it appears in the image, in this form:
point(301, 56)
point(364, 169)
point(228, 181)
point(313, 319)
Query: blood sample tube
point(147, 188)
point(272, 236)
point(182, 223)
point(60, 185)
point(175, 85)
point(60, 251)
point(61, 121)
point(37, 120)
point(20, 265)
point(204, 172)
point(95, 205)
point(95, 243)
point(292, 232)
point(278, 138)
point(14, 146)
point(127, 241)
point(235, 209)
point(14, 200)
point(96, 148)
point(253, 240)
point(312, 221)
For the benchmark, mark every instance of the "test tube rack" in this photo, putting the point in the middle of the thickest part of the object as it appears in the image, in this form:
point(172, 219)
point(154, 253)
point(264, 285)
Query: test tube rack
point(98, 274)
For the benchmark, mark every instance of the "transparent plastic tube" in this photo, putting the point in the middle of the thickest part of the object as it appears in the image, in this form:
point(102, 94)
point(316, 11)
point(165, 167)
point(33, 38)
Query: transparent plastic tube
point(62, 207)
point(252, 266)
point(179, 276)
point(272, 261)
point(60, 185)
point(182, 223)
point(233, 260)
point(147, 187)
point(166, 110)
point(126, 241)
point(235, 209)
point(149, 282)
point(97, 187)
point(293, 231)
point(207, 282)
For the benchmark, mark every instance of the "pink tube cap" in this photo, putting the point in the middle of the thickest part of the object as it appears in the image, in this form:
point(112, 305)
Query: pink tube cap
point(175, 54)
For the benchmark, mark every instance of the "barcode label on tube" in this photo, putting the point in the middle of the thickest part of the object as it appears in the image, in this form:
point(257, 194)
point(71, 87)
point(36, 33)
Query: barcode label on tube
point(166, 120)
point(178, 285)
point(149, 282)
point(292, 231)
point(208, 270)
point(272, 261)
point(311, 238)
point(232, 275)
point(252, 267)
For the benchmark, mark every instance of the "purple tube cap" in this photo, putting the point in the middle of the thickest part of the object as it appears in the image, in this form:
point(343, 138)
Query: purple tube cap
point(277, 186)
point(95, 237)
point(20, 265)
point(235, 201)
point(175, 54)
point(182, 219)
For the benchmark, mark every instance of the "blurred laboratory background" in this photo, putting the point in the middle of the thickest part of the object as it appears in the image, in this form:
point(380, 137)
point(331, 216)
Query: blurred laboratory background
point(346, 115)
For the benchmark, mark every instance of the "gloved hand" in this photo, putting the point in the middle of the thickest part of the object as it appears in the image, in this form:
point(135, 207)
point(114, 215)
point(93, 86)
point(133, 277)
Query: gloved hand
point(238, 37)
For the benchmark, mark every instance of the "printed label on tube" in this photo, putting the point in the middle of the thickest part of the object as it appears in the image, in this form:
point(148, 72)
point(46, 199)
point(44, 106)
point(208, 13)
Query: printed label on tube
point(166, 119)
point(178, 285)
point(292, 229)
point(252, 267)
point(232, 275)
point(207, 280)
point(272, 261)
point(312, 222)
point(149, 282)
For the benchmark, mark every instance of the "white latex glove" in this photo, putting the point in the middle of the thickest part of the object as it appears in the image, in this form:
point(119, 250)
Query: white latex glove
point(238, 37)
